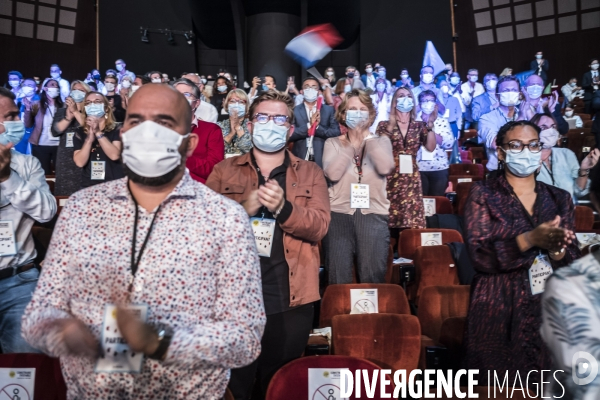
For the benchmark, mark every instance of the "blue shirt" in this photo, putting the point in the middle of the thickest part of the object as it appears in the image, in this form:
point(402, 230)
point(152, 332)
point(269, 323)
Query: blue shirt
point(564, 173)
point(489, 125)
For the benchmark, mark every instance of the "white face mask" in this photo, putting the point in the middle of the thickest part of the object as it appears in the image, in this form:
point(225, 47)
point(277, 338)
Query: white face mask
point(151, 150)
point(329, 73)
point(491, 84)
point(203, 81)
point(455, 80)
point(236, 109)
point(535, 91)
point(27, 91)
point(595, 66)
point(269, 137)
point(55, 75)
point(473, 78)
point(539, 56)
point(52, 92)
point(569, 113)
point(428, 107)
point(222, 88)
point(404, 76)
point(119, 67)
point(14, 83)
point(380, 87)
point(347, 88)
point(125, 83)
point(134, 88)
point(356, 118)
point(404, 104)
point(310, 94)
point(381, 73)
point(109, 86)
point(156, 80)
point(427, 78)
point(509, 99)
point(549, 137)
point(369, 70)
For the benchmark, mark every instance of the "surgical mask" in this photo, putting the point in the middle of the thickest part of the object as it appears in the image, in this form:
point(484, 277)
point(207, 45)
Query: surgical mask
point(549, 137)
point(369, 70)
point(77, 95)
point(95, 110)
point(473, 78)
point(329, 73)
point(55, 75)
point(569, 113)
point(347, 88)
point(404, 76)
point(156, 80)
point(119, 67)
point(380, 87)
point(27, 91)
point(310, 94)
point(573, 84)
point(37, 81)
point(538, 56)
point(14, 83)
point(223, 88)
point(265, 88)
point(269, 137)
point(152, 150)
point(52, 92)
point(524, 163)
point(428, 107)
point(455, 80)
point(236, 109)
point(126, 84)
point(13, 132)
point(134, 88)
point(203, 81)
point(109, 87)
point(356, 118)
point(595, 66)
point(509, 99)
point(445, 89)
point(96, 77)
point(535, 91)
point(350, 75)
point(381, 74)
point(427, 78)
point(404, 104)
point(491, 84)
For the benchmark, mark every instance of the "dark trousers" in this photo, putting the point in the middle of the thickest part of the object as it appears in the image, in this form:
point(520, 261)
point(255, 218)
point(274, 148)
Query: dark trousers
point(434, 182)
point(284, 340)
point(47, 157)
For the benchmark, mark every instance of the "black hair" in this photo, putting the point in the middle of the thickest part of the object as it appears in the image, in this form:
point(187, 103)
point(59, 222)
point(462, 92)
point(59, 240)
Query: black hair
point(187, 82)
point(145, 80)
point(509, 126)
point(58, 102)
point(4, 92)
point(508, 78)
point(536, 118)
point(426, 93)
point(368, 64)
point(17, 73)
point(311, 78)
point(149, 74)
point(272, 77)
point(594, 59)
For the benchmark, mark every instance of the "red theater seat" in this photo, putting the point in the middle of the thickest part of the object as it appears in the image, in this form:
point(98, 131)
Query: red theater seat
point(410, 240)
point(49, 382)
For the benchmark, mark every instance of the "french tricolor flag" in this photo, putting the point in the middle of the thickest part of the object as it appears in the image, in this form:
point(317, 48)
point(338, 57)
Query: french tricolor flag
point(312, 44)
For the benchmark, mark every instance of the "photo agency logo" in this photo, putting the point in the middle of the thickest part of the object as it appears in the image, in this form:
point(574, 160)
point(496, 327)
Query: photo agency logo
point(584, 368)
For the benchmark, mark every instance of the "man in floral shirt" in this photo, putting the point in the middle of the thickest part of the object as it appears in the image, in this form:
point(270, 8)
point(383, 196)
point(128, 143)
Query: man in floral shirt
point(156, 241)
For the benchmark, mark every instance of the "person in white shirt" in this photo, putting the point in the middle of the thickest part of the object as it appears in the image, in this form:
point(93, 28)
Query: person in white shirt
point(381, 74)
point(205, 111)
point(63, 84)
point(470, 90)
point(368, 79)
point(381, 100)
point(570, 116)
point(15, 79)
point(24, 198)
point(571, 90)
point(122, 70)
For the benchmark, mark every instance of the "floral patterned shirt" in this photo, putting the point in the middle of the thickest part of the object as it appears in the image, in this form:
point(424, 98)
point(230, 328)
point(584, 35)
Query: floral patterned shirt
point(199, 274)
point(441, 127)
point(238, 145)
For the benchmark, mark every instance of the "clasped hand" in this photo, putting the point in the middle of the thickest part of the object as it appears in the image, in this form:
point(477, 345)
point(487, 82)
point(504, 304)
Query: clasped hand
point(270, 195)
point(550, 236)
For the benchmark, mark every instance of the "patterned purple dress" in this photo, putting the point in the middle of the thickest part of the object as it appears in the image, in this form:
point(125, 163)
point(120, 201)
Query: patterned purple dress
point(502, 331)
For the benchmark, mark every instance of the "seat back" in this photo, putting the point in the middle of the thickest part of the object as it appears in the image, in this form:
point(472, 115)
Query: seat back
point(434, 266)
point(466, 155)
point(291, 381)
point(584, 219)
point(466, 170)
point(442, 204)
point(392, 341)
point(457, 179)
point(410, 240)
point(61, 201)
point(438, 303)
point(336, 300)
point(49, 382)
point(462, 193)
point(479, 153)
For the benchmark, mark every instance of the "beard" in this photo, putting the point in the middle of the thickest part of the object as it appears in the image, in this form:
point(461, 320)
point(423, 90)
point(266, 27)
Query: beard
point(159, 180)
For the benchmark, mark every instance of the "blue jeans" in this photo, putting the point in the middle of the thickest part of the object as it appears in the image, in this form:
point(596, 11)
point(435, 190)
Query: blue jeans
point(15, 294)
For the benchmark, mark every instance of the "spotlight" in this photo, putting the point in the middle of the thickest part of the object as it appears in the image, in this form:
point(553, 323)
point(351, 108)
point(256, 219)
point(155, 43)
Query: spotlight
point(189, 38)
point(145, 36)
point(170, 37)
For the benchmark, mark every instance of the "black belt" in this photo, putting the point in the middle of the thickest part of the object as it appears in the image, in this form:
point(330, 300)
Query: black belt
point(12, 271)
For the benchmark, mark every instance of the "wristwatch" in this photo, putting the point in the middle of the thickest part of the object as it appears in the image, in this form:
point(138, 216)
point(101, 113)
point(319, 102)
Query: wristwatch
point(586, 172)
point(557, 253)
point(278, 211)
point(165, 334)
point(100, 137)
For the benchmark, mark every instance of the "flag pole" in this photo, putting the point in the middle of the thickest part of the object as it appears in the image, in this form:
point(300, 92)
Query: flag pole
point(453, 34)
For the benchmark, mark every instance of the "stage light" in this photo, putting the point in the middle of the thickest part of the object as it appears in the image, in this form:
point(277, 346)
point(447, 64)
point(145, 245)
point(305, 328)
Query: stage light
point(170, 37)
point(145, 37)
point(189, 38)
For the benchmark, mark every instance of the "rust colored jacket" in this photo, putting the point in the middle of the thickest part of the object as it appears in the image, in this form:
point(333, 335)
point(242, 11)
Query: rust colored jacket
point(306, 189)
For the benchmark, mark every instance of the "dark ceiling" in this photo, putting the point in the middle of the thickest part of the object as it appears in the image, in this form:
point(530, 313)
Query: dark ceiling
point(213, 20)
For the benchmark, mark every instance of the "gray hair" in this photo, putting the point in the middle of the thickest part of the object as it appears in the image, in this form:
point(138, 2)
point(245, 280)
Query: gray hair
point(192, 85)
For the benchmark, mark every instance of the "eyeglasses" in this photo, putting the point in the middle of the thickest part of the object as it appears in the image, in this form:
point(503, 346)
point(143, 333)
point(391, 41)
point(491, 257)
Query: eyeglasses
point(516, 146)
point(237, 102)
point(264, 118)
point(544, 127)
point(88, 102)
point(190, 96)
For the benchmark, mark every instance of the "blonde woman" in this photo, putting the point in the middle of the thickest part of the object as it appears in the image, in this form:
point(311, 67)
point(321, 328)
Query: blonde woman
point(235, 129)
point(97, 143)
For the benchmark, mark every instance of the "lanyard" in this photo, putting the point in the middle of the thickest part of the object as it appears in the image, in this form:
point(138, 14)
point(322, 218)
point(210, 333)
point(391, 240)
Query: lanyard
point(358, 161)
point(549, 170)
point(134, 263)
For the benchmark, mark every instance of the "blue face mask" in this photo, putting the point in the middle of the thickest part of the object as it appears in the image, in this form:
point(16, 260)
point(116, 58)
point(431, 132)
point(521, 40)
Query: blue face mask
point(14, 132)
point(77, 96)
point(236, 109)
point(269, 137)
point(404, 104)
point(356, 118)
point(265, 88)
point(522, 164)
point(95, 110)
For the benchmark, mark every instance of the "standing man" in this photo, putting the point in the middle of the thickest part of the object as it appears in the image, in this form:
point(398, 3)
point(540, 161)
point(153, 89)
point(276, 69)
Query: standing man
point(24, 198)
point(534, 104)
point(426, 82)
point(469, 90)
point(305, 116)
point(15, 78)
point(286, 199)
point(211, 148)
point(540, 66)
point(486, 102)
point(205, 111)
point(122, 70)
point(63, 84)
point(164, 247)
point(590, 84)
point(370, 77)
point(353, 79)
